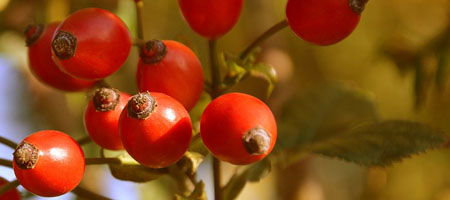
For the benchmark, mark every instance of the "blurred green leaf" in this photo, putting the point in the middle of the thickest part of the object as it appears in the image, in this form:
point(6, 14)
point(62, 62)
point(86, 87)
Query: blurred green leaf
point(190, 162)
point(248, 76)
point(322, 111)
point(235, 71)
point(253, 173)
point(198, 193)
point(136, 173)
point(132, 171)
point(337, 120)
point(380, 143)
point(251, 58)
point(254, 83)
point(268, 70)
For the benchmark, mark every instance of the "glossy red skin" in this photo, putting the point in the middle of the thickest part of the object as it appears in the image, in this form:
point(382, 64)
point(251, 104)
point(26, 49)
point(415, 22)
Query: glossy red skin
point(103, 127)
point(44, 69)
point(60, 166)
point(103, 43)
point(225, 121)
point(179, 75)
point(323, 22)
point(162, 138)
point(12, 194)
point(211, 18)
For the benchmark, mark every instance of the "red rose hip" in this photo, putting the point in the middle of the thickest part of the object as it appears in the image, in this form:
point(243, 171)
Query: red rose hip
point(39, 39)
point(211, 18)
point(171, 68)
point(12, 194)
point(324, 22)
point(49, 163)
point(91, 43)
point(101, 117)
point(155, 129)
point(238, 128)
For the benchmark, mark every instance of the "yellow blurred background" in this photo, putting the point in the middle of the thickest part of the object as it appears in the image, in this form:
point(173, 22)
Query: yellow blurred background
point(368, 59)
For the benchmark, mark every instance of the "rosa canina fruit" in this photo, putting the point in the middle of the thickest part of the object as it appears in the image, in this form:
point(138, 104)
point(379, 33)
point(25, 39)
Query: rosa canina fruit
point(155, 129)
point(91, 43)
point(238, 128)
point(171, 68)
point(101, 117)
point(39, 38)
point(324, 22)
point(211, 18)
point(49, 163)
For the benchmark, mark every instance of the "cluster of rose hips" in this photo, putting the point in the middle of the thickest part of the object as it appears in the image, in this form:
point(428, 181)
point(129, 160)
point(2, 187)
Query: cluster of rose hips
point(154, 126)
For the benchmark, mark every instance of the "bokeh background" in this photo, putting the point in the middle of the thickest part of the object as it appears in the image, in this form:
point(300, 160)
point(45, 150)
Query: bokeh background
point(391, 57)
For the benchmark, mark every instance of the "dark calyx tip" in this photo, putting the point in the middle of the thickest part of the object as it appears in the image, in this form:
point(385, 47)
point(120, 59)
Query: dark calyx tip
point(105, 99)
point(153, 51)
point(33, 33)
point(64, 45)
point(26, 155)
point(141, 105)
point(257, 141)
point(357, 5)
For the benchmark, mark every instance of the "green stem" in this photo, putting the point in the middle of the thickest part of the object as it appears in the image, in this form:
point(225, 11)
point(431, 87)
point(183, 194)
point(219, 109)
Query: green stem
point(138, 42)
point(140, 21)
point(271, 31)
point(81, 192)
point(215, 70)
point(7, 187)
point(6, 163)
point(215, 92)
point(84, 140)
point(8, 143)
point(217, 179)
point(100, 84)
point(101, 161)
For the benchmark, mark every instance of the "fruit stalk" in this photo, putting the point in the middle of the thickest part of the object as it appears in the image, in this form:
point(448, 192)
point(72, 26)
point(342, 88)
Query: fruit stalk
point(271, 31)
point(217, 179)
point(215, 79)
point(214, 68)
point(84, 140)
point(6, 163)
point(140, 22)
point(8, 143)
point(9, 186)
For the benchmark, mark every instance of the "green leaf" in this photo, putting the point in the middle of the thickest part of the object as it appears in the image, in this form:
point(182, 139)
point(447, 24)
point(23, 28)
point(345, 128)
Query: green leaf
point(132, 171)
point(340, 121)
point(268, 70)
point(248, 76)
point(322, 111)
point(252, 174)
point(198, 193)
point(190, 162)
point(255, 83)
point(251, 57)
point(235, 71)
point(380, 143)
